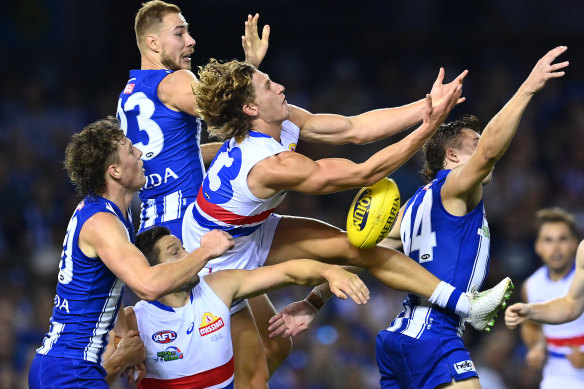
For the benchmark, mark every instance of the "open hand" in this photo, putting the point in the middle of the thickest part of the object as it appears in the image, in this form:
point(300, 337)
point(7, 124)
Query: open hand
point(292, 320)
point(255, 48)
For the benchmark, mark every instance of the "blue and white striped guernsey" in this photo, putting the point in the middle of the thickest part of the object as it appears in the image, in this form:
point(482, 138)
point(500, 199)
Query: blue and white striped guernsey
point(88, 293)
point(453, 248)
point(169, 141)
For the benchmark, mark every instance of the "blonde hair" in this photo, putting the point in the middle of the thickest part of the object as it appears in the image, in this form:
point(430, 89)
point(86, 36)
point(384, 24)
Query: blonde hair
point(222, 91)
point(150, 16)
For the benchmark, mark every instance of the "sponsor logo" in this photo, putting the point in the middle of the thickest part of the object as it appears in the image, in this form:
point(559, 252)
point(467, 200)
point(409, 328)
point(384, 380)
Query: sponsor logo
point(484, 231)
point(390, 220)
point(170, 354)
point(210, 324)
point(61, 303)
point(292, 147)
point(191, 327)
point(361, 210)
point(464, 367)
point(129, 89)
point(164, 336)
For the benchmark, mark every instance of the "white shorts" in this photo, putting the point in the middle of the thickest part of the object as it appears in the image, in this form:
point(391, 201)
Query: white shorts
point(249, 252)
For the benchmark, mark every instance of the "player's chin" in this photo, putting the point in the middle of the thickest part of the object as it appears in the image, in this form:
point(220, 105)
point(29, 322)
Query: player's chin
point(185, 64)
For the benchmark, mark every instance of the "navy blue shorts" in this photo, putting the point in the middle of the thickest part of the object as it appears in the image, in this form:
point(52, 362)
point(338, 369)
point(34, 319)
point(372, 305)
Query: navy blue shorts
point(409, 363)
point(61, 373)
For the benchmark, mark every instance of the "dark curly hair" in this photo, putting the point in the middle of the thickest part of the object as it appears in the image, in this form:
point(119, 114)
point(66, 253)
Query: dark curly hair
point(448, 135)
point(90, 152)
point(222, 91)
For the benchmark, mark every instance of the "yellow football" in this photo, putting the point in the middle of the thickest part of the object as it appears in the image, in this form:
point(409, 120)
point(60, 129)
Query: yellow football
point(373, 213)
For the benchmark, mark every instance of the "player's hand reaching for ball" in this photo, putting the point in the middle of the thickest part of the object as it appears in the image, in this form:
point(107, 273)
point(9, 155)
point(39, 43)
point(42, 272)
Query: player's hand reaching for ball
point(217, 242)
point(544, 70)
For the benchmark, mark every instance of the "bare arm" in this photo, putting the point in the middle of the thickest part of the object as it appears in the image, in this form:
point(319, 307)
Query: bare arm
point(234, 284)
point(369, 126)
point(465, 182)
point(556, 311)
point(209, 151)
point(176, 91)
point(293, 171)
point(104, 236)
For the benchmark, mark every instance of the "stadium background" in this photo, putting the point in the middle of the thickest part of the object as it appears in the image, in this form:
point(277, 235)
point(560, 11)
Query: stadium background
point(64, 62)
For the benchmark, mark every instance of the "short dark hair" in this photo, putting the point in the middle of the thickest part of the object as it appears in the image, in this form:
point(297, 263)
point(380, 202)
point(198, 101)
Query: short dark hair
point(448, 135)
point(90, 152)
point(146, 240)
point(556, 215)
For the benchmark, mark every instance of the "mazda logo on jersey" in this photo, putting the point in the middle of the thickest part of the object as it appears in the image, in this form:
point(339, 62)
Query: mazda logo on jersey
point(164, 336)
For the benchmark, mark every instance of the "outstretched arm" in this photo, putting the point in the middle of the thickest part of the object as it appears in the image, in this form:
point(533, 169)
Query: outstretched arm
point(373, 125)
point(556, 311)
point(296, 317)
point(235, 284)
point(466, 181)
point(293, 171)
point(103, 236)
point(255, 48)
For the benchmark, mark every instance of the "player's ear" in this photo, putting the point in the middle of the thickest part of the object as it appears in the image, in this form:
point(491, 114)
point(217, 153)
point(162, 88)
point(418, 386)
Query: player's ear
point(114, 171)
point(152, 42)
point(452, 155)
point(250, 109)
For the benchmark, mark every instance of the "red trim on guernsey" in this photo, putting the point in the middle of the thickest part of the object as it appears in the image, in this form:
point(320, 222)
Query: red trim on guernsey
point(228, 217)
point(576, 341)
point(201, 380)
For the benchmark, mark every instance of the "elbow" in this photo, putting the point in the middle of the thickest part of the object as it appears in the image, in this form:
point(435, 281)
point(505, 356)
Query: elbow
point(148, 293)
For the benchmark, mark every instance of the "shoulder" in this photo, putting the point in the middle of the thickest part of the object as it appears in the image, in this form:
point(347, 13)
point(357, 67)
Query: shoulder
point(181, 79)
point(276, 161)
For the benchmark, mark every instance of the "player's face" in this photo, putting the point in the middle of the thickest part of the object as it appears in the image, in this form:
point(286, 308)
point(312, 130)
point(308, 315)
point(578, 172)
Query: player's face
point(170, 249)
point(269, 99)
point(176, 45)
point(131, 165)
point(468, 145)
point(556, 246)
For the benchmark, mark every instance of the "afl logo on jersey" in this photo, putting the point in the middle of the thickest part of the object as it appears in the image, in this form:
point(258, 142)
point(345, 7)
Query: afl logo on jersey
point(164, 336)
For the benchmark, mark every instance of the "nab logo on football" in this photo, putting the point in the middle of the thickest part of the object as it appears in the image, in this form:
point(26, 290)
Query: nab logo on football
point(361, 211)
point(165, 336)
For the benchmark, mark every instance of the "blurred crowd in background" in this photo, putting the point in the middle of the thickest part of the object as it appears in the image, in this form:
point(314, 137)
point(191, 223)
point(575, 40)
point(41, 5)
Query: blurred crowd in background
point(64, 62)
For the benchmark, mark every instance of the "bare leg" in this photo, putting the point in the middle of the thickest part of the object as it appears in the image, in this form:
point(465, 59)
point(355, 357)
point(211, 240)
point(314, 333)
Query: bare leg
point(251, 369)
point(308, 238)
point(276, 349)
point(469, 383)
